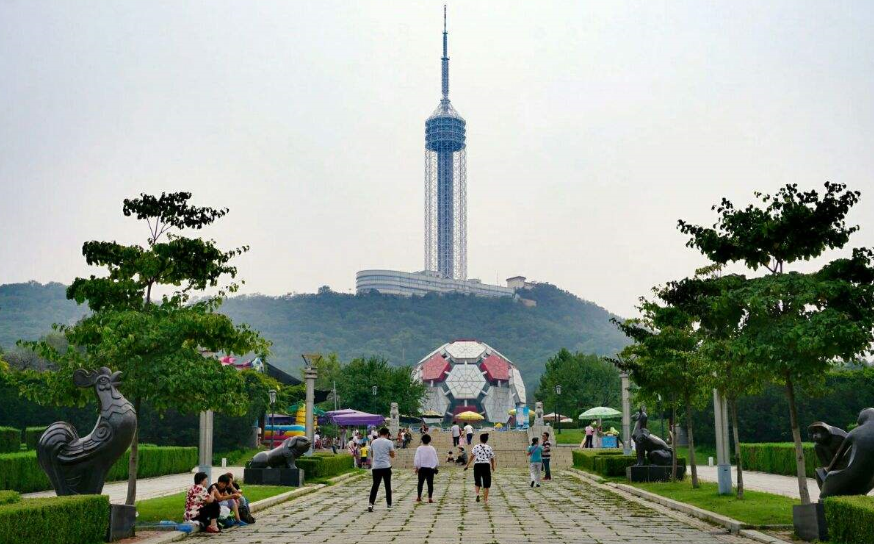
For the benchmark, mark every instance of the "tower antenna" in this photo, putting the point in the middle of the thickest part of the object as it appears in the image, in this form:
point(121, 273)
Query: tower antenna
point(445, 58)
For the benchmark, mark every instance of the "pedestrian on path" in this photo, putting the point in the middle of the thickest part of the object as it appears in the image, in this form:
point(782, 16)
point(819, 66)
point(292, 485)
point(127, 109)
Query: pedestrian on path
point(382, 451)
point(468, 431)
point(547, 456)
point(589, 432)
point(425, 463)
point(483, 458)
point(535, 460)
point(456, 434)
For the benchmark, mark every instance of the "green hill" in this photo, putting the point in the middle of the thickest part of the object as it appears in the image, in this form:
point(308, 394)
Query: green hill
point(401, 329)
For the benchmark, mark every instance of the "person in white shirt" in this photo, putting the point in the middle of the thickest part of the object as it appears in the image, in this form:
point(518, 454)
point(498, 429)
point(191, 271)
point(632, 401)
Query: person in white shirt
point(425, 463)
point(483, 458)
point(382, 451)
point(456, 434)
point(468, 430)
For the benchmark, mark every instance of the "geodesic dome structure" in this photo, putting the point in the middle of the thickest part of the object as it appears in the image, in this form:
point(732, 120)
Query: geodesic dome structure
point(470, 375)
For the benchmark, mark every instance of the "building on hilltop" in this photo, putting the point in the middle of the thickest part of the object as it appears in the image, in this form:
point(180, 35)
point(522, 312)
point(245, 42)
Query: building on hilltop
point(468, 375)
point(393, 282)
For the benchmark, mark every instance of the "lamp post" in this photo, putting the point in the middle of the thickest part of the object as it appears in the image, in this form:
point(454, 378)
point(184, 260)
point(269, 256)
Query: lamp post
point(272, 395)
point(558, 396)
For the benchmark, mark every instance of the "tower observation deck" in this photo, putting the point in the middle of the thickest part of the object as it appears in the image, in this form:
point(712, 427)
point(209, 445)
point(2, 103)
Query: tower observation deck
point(446, 184)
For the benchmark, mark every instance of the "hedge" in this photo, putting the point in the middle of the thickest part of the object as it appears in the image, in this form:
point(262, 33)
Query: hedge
point(323, 466)
point(585, 458)
point(21, 471)
point(776, 458)
point(80, 519)
point(8, 497)
point(32, 435)
point(850, 519)
point(10, 439)
point(608, 462)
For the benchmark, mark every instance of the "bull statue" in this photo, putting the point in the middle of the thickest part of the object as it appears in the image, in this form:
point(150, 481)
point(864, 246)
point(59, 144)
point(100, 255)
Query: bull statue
point(284, 455)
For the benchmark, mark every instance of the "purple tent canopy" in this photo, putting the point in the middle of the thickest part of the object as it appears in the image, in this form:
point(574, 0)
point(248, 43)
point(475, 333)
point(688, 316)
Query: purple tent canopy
point(353, 418)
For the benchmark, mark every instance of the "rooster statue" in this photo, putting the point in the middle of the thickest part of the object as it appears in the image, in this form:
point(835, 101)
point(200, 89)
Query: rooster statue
point(78, 466)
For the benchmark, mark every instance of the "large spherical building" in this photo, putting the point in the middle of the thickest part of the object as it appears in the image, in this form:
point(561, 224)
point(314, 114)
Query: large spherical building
point(470, 375)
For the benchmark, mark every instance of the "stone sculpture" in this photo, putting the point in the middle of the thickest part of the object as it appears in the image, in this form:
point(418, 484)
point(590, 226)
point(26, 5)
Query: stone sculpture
point(856, 454)
point(282, 456)
point(826, 442)
point(538, 414)
point(78, 466)
point(650, 448)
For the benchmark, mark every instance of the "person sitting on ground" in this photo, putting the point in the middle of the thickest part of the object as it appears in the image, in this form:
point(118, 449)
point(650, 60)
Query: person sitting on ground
point(450, 458)
point(227, 496)
point(461, 458)
point(201, 506)
point(242, 501)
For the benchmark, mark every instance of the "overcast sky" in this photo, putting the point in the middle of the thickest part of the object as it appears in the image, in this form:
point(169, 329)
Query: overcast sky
point(592, 127)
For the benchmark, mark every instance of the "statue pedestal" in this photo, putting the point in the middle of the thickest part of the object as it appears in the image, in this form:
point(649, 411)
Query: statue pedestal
point(809, 521)
point(273, 476)
point(122, 518)
point(653, 473)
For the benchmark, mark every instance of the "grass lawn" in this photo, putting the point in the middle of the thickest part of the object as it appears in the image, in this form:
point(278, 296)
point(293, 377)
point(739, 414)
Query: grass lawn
point(236, 458)
point(172, 507)
point(570, 436)
point(756, 508)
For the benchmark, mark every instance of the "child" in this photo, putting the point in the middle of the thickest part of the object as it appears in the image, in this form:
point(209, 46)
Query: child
point(363, 452)
point(450, 458)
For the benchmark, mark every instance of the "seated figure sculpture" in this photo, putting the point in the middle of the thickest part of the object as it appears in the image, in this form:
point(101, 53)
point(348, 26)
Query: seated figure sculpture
point(282, 456)
point(827, 441)
point(649, 447)
point(851, 469)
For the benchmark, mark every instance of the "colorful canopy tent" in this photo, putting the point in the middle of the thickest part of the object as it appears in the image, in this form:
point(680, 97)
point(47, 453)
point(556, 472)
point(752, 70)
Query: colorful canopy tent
point(560, 417)
point(353, 418)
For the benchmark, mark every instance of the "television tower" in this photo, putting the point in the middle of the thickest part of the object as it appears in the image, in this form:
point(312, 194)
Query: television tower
point(445, 183)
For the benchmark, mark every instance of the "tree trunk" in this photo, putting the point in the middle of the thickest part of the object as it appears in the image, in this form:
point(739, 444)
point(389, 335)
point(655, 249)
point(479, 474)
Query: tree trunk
point(673, 444)
point(133, 461)
point(694, 466)
point(796, 437)
point(740, 471)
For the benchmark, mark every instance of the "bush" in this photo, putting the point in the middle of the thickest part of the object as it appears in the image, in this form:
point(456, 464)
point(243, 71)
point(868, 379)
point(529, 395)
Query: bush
point(8, 497)
point(32, 435)
point(81, 519)
point(585, 459)
point(776, 458)
point(608, 462)
point(21, 471)
point(324, 466)
point(850, 519)
point(10, 439)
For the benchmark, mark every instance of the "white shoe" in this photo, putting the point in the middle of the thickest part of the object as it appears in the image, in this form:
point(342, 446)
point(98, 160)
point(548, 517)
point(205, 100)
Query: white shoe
point(370, 508)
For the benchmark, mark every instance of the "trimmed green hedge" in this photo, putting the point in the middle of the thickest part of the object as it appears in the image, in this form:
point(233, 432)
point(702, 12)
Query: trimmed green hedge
point(8, 497)
point(324, 466)
point(31, 436)
point(608, 462)
point(81, 519)
point(850, 519)
point(585, 459)
point(10, 439)
point(776, 458)
point(21, 472)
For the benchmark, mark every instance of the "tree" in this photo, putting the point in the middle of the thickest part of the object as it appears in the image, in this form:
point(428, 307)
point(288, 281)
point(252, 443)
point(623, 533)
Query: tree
point(161, 345)
point(586, 381)
point(794, 325)
point(394, 384)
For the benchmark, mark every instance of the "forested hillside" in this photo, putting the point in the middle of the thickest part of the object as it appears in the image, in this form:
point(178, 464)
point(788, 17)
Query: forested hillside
point(401, 329)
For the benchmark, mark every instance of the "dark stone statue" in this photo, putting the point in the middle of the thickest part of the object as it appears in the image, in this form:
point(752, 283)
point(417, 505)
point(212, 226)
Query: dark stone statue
point(78, 466)
point(856, 454)
point(282, 456)
point(650, 448)
point(827, 441)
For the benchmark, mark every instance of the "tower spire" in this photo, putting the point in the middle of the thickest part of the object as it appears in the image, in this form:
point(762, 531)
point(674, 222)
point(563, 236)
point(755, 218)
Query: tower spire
point(445, 59)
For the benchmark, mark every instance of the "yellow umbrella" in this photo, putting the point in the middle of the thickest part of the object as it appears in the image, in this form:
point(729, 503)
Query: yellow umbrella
point(469, 416)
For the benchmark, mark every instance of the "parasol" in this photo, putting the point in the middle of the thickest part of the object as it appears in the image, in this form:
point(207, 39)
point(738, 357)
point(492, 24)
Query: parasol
point(600, 412)
point(469, 416)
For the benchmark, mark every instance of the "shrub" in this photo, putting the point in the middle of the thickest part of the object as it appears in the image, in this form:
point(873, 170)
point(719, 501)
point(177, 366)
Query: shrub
point(21, 471)
point(776, 458)
point(608, 462)
point(81, 519)
point(585, 459)
point(8, 497)
point(10, 439)
point(850, 519)
point(32, 435)
point(323, 466)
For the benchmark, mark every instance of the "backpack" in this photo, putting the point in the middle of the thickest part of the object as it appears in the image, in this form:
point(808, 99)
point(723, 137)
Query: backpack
point(245, 514)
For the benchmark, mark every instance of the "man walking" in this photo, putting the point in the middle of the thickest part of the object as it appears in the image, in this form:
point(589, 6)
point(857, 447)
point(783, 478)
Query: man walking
point(382, 450)
point(546, 456)
point(468, 431)
point(456, 434)
point(483, 458)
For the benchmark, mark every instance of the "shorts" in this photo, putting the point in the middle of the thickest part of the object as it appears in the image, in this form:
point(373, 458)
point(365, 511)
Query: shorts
point(482, 475)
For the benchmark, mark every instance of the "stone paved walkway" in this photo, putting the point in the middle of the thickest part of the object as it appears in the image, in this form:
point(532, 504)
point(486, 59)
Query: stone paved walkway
point(762, 481)
point(565, 510)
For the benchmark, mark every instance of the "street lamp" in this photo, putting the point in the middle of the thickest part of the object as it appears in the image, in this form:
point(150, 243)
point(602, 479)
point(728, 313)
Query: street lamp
point(374, 389)
point(557, 394)
point(272, 394)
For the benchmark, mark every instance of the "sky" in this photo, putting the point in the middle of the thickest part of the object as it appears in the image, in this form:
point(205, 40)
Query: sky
point(592, 128)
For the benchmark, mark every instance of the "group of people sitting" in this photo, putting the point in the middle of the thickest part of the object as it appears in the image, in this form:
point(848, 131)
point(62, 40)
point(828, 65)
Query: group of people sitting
point(459, 457)
point(203, 505)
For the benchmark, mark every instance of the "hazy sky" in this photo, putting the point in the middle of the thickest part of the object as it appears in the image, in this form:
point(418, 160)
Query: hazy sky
point(592, 127)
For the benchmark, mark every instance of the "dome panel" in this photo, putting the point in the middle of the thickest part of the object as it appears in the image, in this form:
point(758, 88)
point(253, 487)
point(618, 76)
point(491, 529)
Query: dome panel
point(496, 368)
point(434, 369)
point(465, 349)
point(465, 381)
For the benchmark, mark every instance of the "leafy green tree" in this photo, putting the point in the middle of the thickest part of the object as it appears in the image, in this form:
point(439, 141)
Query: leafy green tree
point(794, 325)
point(160, 344)
point(586, 381)
point(393, 384)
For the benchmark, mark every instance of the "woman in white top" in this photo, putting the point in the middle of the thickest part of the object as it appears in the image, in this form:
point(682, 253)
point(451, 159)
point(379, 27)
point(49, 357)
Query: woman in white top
point(425, 462)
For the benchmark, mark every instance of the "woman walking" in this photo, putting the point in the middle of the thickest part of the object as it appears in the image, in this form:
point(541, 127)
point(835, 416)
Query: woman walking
point(535, 459)
point(483, 458)
point(425, 463)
